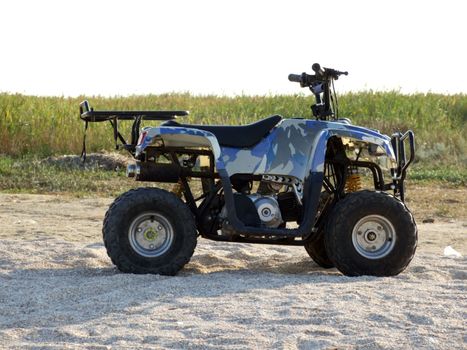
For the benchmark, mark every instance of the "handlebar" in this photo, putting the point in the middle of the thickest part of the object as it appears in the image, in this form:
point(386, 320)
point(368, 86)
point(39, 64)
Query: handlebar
point(296, 78)
point(321, 85)
point(304, 79)
point(335, 73)
point(321, 75)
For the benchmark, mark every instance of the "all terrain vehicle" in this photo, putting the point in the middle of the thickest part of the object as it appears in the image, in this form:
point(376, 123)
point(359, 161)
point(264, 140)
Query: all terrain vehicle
point(289, 181)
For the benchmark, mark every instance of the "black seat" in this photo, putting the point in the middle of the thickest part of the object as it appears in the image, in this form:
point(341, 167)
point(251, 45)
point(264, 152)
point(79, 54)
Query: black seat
point(236, 136)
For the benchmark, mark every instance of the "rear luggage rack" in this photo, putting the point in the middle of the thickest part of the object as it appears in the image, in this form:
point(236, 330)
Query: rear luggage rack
point(89, 115)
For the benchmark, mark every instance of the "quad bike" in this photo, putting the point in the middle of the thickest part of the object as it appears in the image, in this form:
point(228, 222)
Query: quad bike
point(281, 181)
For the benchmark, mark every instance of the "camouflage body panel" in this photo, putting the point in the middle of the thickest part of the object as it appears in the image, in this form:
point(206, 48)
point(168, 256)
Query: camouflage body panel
point(285, 151)
point(293, 148)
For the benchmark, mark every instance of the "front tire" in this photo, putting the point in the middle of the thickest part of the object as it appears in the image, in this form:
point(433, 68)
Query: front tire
point(370, 233)
point(149, 230)
point(315, 247)
point(317, 251)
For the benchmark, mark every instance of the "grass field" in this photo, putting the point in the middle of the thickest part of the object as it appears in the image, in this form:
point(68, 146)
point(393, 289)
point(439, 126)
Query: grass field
point(51, 125)
point(32, 128)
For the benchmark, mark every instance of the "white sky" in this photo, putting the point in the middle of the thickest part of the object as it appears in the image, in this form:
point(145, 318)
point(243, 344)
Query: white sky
point(229, 47)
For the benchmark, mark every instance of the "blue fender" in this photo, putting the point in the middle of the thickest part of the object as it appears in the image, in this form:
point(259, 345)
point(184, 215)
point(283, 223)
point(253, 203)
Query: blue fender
point(351, 132)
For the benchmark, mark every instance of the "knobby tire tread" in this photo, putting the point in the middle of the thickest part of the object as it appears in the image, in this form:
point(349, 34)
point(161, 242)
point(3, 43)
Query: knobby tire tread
point(338, 230)
point(182, 216)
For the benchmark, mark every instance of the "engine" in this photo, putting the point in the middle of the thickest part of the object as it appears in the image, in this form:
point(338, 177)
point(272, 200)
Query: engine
point(270, 206)
point(268, 210)
point(253, 210)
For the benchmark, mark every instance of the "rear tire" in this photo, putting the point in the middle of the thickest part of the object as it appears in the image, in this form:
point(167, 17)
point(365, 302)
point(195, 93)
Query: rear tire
point(370, 233)
point(149, 230)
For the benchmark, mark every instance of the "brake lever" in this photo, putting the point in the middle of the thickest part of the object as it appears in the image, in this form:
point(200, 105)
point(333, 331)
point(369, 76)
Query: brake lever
point(335, 73)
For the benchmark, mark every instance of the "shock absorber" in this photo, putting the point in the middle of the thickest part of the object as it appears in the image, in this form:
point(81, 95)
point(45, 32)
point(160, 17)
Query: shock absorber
point(353, 182)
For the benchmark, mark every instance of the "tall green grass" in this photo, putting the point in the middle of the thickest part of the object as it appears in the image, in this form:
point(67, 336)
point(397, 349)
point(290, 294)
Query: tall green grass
point(44, 126)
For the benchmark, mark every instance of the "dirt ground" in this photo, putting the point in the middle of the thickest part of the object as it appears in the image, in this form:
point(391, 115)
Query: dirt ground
point(440, 213)
point(60, 290)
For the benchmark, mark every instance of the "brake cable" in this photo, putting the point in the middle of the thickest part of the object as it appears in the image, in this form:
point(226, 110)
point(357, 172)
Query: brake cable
point(335, 104)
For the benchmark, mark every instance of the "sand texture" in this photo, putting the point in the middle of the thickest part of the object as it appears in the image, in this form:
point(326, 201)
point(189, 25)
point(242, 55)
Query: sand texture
point(59, 290)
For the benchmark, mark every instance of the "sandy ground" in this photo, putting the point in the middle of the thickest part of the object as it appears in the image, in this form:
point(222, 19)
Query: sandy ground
point(60, 290)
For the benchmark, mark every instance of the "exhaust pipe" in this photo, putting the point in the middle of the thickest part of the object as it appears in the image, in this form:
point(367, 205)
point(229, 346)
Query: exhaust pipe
point(156, 172)
point(132, 170)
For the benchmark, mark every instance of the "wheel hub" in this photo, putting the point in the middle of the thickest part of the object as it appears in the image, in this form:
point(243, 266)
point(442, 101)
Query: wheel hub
point(373, 237)
point(150, 234)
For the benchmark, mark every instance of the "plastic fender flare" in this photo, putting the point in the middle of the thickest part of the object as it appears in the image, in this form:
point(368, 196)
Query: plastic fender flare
point(348, 131)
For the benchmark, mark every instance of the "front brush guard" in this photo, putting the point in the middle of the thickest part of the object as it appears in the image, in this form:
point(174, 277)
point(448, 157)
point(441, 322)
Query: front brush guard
point(398, 141)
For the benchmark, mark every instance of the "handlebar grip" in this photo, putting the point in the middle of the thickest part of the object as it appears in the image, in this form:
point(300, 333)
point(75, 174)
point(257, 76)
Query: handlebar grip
point(296, 78)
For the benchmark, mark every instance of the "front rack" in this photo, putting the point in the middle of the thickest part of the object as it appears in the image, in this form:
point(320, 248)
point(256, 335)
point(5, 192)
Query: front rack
point(89, 115)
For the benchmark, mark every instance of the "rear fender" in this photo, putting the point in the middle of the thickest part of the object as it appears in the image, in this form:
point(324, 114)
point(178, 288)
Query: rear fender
point(170, 136)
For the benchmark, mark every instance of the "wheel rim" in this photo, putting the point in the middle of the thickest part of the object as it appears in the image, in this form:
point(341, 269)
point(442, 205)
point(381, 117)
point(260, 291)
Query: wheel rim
point(150, 234)
point(374, 237)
